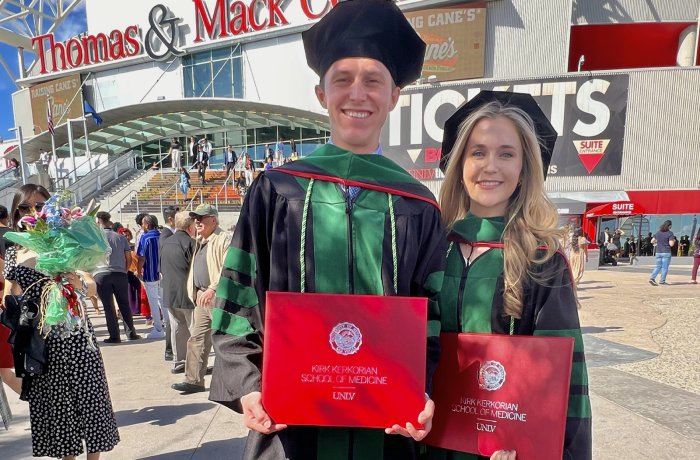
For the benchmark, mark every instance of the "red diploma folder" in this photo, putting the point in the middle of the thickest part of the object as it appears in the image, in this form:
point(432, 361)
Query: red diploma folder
point(497, 392)
point(344, 360)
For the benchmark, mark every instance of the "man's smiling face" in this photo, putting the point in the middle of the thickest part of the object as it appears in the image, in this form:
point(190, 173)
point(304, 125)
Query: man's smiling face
point(358, 93)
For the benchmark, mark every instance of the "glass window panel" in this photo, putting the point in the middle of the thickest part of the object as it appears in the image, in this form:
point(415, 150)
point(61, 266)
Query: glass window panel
point(221, 53)
point(251, 136)
point(223, 83)
point(286, 133)
point(188, 82)
point(201, 58)
point(202, 80)
point(187, 59)
point(307, 133)
point(238, 78)
point(236, 137)
point(267, 134)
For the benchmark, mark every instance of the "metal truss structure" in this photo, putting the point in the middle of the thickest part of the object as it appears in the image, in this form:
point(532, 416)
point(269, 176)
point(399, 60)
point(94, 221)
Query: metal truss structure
point(22, 20)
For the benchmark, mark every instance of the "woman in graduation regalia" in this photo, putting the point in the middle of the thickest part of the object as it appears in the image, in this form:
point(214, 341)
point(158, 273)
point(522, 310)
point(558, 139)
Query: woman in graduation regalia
point(505, 272)
point(343, 220)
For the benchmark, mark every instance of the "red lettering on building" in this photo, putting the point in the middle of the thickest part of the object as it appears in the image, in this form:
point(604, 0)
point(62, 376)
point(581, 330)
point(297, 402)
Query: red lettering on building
point(90, 49)
point(236, 19)
point(432, 154)
point(306, 8)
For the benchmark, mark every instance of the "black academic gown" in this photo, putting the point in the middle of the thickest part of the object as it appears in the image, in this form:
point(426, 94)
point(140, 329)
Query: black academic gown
point(393, 215)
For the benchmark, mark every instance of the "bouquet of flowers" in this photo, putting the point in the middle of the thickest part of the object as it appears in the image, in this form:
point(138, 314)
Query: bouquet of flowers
point(65, 240)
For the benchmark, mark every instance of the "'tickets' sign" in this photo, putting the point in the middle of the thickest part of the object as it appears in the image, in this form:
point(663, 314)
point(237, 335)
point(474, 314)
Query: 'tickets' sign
point(587, 112)
point(455, 39)
point(61, 95)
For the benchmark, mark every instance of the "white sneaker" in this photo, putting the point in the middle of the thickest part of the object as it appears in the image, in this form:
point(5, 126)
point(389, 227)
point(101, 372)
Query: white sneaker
point(155, 334)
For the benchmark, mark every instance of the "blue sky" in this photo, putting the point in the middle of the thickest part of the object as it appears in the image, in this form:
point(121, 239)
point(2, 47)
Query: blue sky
point(74, 24)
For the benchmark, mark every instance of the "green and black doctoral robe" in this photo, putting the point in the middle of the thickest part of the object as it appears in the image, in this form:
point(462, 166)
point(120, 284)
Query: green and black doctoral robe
point(298, 232)
point(471, 300)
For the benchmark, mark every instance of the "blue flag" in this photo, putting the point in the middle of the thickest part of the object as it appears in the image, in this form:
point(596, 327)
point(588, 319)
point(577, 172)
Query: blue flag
point(87, 108)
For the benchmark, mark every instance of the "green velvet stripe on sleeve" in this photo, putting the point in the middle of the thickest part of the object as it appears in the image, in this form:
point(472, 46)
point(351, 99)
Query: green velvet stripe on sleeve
point(240, 261)
point(237, 293)
point(230, 323)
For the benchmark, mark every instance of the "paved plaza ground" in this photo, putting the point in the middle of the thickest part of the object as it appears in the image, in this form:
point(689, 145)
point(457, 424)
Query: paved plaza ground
point(642, 347)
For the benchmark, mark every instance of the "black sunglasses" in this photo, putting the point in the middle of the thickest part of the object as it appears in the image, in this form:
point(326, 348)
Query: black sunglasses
point(27, 206)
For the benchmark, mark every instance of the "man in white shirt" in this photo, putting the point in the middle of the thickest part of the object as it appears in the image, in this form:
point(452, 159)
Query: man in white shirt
point(45, 161)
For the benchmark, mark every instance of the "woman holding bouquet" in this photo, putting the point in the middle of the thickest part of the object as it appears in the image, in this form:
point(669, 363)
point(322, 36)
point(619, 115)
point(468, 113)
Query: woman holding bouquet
point(505, 273)
point(69, 402)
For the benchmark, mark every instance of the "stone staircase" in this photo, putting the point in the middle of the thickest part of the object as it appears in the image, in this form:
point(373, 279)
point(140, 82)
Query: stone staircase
point(162, 189)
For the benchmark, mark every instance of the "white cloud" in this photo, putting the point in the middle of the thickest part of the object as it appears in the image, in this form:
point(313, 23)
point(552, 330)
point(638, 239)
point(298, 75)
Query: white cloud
point(75, 23)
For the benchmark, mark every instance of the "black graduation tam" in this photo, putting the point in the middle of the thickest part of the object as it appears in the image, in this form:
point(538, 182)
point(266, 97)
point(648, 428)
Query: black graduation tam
point(374, 29)
point(546, 134)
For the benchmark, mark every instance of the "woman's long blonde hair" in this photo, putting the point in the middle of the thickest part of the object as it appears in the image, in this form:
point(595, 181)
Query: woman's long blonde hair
point(531, 219)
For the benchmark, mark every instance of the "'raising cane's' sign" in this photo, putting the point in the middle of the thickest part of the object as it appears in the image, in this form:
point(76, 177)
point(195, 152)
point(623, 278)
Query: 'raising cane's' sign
point(454, 38)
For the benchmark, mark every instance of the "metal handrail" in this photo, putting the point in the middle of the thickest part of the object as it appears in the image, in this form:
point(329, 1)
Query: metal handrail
point(201, 199)
point(127, 197)
point(224, 186)
point(8, 173)
point(176, 187)
point(74, 170)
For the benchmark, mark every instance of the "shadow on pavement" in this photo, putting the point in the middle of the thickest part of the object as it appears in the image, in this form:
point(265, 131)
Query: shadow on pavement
point(599, 330)
point(229, 449)
point(160, 415)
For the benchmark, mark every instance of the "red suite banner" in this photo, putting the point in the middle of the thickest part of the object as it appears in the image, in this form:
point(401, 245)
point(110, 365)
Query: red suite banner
point(496, 392)
point(344, 360)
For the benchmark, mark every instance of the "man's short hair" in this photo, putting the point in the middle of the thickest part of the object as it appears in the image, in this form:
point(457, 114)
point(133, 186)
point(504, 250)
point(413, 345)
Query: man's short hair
point(4, 213)
point(104, 216)
point(139, 218)
point(169, 212)
point(151, 221)
point(182, 220)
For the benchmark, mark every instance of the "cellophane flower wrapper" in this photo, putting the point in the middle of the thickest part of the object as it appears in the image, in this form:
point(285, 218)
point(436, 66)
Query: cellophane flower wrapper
point(80, 246)
point(65, 241)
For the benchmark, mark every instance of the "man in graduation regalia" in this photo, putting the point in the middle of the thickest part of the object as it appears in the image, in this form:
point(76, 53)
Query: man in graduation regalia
point(343, 220)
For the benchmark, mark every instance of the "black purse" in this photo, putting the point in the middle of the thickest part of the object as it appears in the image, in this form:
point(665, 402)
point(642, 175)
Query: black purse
point(21, 316)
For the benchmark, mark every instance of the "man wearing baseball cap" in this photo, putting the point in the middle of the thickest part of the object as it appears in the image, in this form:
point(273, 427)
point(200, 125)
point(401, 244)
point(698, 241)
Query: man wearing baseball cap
point(202, 282)
point(345, 220)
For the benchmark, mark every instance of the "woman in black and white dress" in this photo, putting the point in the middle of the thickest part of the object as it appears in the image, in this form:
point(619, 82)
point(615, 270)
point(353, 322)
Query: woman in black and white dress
point(69, 404)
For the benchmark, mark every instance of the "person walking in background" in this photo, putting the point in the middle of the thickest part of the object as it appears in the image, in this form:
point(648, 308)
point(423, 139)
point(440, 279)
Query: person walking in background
point(208, 148)
point(578, 255)
point(175, 153)
point(14, 166)
point(175, 261)
point(248, 172)
point(664, 240)
point(696, 259)
point(45, 161)
point(202, 163)
point(202, 282)
point(184, 183)
point(632, 248)
point(112, 282)
point(192, 151)
point(149, 273)
point(279, 152)
point(684, 246)
point(231, 160)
